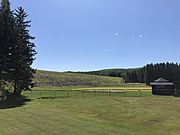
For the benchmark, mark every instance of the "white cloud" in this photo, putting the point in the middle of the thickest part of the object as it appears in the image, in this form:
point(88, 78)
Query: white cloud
point(140, 36)
point(107, 50)
point(116, 34)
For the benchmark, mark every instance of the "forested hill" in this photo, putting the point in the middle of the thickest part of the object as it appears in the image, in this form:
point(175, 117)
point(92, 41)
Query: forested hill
point(146, 74)
point(109, 77)
point(118, 72)
point(49, 78)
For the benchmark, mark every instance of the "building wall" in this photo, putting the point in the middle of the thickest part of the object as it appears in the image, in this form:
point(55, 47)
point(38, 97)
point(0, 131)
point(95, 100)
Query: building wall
point(163, 90)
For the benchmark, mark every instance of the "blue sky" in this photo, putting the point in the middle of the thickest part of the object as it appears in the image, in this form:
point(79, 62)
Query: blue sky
point(98, 34)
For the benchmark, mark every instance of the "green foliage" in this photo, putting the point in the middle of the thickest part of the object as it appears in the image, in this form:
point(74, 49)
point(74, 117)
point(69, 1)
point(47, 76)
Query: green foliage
point(5, 5)
point(108, 72)
point(17, 51)
point(2, 87)
point(7, 31)
point(23, 54)
point(150, 72)
point(47, 78)
point(146, 74)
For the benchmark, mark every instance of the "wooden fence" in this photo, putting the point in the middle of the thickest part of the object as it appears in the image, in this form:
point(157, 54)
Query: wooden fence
point(44, 94)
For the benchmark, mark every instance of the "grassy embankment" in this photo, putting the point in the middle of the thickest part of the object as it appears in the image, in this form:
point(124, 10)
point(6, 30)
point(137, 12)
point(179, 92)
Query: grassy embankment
point(49, 78)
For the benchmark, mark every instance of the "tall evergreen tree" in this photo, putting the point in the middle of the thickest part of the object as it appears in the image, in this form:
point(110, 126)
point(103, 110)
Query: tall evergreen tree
point(23, 54)
point(7, 27)
point(16, 49)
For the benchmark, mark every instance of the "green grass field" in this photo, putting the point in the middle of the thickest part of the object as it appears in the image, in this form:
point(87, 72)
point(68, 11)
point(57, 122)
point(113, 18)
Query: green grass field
point(121, 86)
point(53, 94)
point(76, 91)
point(90, 114)
point(94, 116)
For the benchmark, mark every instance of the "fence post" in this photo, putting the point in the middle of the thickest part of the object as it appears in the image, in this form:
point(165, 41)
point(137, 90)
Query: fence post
point(109, 92)
point(124, 93)
point(175, 93)
point(40, 94)
point(31, 93)
point(82, 93)
point(67, 93)
point(140, 92)
point(54, 92)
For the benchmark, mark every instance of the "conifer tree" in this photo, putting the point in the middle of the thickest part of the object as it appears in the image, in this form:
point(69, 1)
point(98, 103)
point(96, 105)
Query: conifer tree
point(16, 49)
point(23, 54)
point(7, 25)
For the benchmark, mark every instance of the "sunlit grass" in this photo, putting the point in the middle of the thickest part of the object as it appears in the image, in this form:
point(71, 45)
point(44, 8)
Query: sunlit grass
point(94, 116)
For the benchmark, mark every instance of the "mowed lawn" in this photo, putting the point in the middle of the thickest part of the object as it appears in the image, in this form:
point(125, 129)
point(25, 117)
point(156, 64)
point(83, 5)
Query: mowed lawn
point(153, 115)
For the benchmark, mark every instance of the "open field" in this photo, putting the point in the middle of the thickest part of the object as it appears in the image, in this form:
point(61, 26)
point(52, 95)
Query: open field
point(59, 92)
point(85, 93)
point(53, 94)
point(122, 86)
point(49, 78)
point(90, 111)
point(94, 116)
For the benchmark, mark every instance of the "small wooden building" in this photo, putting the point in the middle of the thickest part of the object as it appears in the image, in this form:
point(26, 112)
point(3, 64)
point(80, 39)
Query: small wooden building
point(163, 87)
point(177, 89)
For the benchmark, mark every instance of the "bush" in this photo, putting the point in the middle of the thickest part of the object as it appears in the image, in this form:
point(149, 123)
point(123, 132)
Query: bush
point(5, 90)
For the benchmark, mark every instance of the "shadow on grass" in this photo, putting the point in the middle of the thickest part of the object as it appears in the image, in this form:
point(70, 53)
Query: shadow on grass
point(49, 97)
point(14, 102)
point(46, 98)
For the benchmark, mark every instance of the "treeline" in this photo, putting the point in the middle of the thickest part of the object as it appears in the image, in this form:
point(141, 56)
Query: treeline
point(107, 72)
point(150, 72)
point(146, 74)
point(16, 50)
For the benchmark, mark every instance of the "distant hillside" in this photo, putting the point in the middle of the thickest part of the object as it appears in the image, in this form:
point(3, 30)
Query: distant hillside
point(49, 78)
point(145, 74)
point(116, 72)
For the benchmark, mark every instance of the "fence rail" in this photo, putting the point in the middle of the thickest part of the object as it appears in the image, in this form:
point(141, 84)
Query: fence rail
point(44, 94)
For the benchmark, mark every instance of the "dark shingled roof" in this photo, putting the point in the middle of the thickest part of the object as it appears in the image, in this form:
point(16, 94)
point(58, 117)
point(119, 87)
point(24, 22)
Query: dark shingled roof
point(161, 80)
